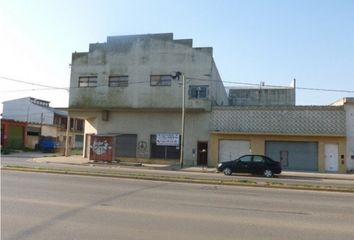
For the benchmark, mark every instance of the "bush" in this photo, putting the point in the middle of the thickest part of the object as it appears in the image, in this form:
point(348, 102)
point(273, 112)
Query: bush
point(6, 151)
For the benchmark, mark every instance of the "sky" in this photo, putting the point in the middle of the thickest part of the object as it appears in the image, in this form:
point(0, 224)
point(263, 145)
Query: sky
point(254, 41)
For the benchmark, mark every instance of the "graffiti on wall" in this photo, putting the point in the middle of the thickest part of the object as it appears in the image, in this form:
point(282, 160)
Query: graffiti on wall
point(100, 147)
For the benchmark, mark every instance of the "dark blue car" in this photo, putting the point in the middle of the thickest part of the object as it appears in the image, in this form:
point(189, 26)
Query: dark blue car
point(255, 164)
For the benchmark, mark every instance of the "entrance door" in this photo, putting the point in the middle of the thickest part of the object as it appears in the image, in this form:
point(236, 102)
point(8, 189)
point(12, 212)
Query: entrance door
point(331, 157)
point(202, 158)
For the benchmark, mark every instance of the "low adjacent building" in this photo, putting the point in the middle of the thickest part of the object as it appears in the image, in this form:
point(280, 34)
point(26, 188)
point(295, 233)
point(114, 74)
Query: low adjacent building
point(303, 138)
point(42, 121)
point(348, 104)
point(13, 134)
point(263, 95)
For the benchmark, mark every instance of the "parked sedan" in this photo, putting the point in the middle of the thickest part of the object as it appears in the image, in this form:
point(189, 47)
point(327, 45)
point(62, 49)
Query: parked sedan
point(255, 164)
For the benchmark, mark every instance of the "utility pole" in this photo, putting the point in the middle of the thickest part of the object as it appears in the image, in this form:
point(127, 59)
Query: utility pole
point(177, 75)
point(40, 134)
point(67, 136)
point(183, 119)
point(67, 130)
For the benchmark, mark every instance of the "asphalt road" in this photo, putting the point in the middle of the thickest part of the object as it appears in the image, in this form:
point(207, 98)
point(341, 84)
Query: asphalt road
point(49, 206)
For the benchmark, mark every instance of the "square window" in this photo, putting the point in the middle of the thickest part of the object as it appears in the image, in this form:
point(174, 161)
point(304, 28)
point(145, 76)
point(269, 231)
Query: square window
point(88, 81)
point(199, 92)
point(118, 81)
point(160, 80)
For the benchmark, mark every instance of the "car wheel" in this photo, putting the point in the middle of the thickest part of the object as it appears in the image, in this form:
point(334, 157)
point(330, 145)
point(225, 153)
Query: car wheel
point(227, 171)
point(268, 173)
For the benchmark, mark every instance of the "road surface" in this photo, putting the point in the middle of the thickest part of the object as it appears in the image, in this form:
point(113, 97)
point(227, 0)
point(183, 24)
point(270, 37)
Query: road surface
point(49, 206)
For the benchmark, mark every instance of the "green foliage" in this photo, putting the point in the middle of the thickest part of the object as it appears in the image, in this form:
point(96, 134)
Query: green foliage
point(6, 151)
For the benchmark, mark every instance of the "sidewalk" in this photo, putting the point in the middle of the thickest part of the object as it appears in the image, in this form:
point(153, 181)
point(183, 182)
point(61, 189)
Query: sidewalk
point(79, 160)
point(77, 165)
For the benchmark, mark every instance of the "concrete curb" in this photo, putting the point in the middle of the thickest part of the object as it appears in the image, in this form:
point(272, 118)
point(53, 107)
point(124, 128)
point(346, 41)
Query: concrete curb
point(182, 179)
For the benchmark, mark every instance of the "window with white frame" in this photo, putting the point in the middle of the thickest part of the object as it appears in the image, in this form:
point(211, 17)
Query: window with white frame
point(160, 80)
point(118, 81)
point(198, 91)
point(87, 81)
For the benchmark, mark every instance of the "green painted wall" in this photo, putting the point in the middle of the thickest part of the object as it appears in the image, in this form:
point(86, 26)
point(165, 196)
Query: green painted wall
point(15, 137)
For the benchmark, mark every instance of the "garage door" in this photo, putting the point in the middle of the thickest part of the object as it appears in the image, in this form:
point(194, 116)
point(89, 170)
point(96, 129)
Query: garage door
point(126, 145)
point(300, 156)
point(231, 149)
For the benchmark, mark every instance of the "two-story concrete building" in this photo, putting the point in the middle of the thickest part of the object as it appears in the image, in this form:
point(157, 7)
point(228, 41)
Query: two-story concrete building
point(125, 88)
point(126, 91)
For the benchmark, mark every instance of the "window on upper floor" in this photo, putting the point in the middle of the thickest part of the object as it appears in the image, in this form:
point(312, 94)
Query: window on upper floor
point(87, 81)
point(160, 80)
point(118, 81)
point(79, 124)
point(198, 91)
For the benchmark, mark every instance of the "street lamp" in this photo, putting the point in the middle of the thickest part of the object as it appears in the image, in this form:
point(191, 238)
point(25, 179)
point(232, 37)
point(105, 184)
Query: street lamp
point(178, 74)
point(67, 136)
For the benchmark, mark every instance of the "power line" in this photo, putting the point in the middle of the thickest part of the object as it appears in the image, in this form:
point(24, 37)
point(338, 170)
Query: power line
point(47, 87)
point(30, 83)
point(27, 90)
point(325, 90)
point(277, 86)
point(25, 115)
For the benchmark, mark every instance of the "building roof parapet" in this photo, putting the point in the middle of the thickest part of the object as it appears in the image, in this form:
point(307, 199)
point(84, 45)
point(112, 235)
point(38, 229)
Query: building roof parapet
point(282, 108)
point(120, 42)
point(118, 39)
point(343, 101)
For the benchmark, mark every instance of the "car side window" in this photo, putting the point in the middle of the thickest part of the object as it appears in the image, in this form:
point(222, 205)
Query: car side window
point(245, 159)
point(258, 159)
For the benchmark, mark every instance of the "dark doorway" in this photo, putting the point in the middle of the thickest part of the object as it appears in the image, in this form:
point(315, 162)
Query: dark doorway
point(202, 157)
point(163, 152)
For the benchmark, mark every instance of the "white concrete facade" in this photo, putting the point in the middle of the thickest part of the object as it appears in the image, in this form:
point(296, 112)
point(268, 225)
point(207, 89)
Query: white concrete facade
point(148, 123)
point(349, 110)
point(139, 107)
point(25, 110)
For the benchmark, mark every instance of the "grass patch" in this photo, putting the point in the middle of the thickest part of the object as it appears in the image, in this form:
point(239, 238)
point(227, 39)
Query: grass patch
point(275, 183)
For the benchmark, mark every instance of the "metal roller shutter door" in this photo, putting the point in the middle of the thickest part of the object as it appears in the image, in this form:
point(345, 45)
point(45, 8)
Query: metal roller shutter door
point(126, 145)
point(232, 149)
point(302, 156)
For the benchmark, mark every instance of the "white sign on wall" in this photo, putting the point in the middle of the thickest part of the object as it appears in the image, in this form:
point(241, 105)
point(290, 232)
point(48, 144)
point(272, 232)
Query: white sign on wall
point(167, 139)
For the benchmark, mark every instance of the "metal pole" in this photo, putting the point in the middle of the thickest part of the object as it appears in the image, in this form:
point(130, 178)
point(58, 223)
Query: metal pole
point(183, 118)
point(67, 136)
